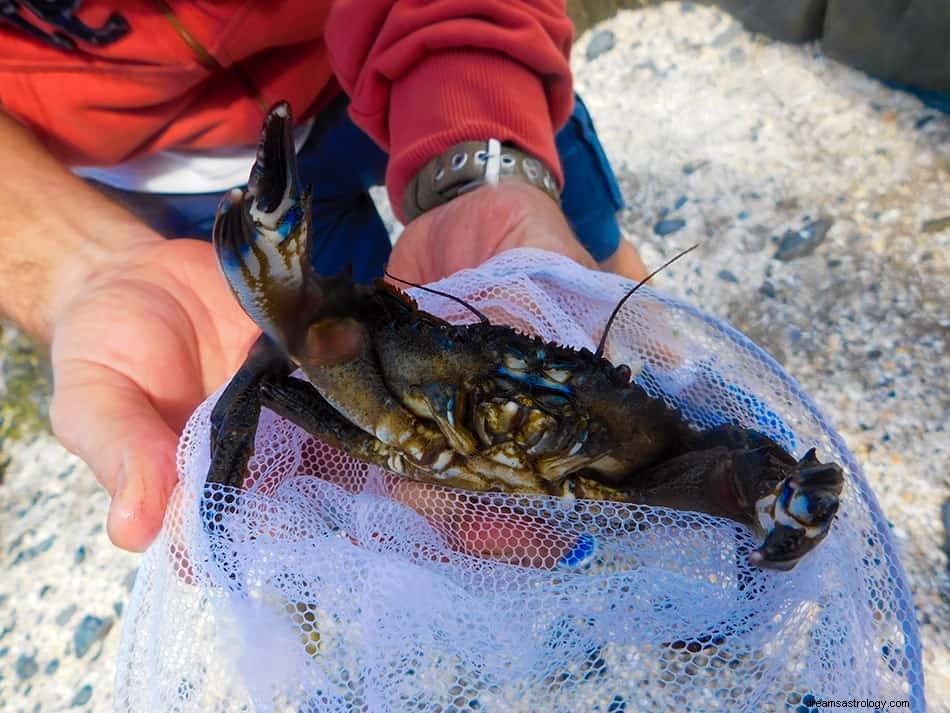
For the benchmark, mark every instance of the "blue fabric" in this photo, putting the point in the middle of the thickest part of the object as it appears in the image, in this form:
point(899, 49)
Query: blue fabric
point(931, 98)
point(340, 163)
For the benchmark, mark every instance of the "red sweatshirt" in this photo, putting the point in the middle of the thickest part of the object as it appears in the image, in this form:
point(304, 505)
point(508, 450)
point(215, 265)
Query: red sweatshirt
point(422, 75)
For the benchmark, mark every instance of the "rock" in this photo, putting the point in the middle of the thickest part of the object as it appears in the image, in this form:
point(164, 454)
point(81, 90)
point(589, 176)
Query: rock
point(935, 225)
point(65, 615)
point(602, 42)
point(82, 697)
point(91, 630)
point(727, 276)
point(26, 667)
point(37, 549)
point(799, 243)
point(767, 289)
point(693, 166)
point(668, 226)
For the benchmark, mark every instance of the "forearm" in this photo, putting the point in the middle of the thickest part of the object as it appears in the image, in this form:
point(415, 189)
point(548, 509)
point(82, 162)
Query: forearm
point(425, 76)
point(55, 231)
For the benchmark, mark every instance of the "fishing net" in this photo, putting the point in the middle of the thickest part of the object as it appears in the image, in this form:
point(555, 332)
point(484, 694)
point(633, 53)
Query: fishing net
point(330, 585)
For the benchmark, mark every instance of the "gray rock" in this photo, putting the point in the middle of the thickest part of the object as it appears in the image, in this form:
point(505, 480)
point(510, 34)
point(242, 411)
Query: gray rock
point(26, 667)
point(936, 225)
point(82, 697)
point(91, 630)
point(693, 166)
point(799, 243)
point(31, 552)
point(602, 42)
point(65, 615)
point(668, 226)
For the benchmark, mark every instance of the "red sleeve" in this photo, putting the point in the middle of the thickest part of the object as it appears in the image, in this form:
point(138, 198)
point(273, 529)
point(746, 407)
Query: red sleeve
point(425, 75)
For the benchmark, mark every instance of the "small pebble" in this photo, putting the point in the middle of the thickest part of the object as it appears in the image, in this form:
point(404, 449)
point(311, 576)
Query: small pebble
point(680, 202)
point(602, 42)
point(935, 225)
point(727, 276)
point(65, 615)
point(52, 667)
point(668, 226)
point(693, 166)
point(80, 554)
point(26, 667)
point(923, 121)
point(37, 549)
point(874, 354)
point(82, 696)
point(91, 630)
point(799, 243)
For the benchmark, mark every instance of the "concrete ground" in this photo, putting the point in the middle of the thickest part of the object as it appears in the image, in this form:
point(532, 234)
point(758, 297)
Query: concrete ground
point(822, 202)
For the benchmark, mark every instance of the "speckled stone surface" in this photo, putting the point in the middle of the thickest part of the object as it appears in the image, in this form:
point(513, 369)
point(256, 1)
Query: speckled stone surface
point(822, 202)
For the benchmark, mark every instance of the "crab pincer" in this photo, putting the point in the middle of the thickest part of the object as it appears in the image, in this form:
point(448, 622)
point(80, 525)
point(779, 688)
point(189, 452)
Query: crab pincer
point(262, 237)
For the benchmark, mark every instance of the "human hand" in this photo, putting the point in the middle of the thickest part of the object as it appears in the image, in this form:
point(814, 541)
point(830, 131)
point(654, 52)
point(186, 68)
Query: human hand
point(135, 349)
point(478, 225)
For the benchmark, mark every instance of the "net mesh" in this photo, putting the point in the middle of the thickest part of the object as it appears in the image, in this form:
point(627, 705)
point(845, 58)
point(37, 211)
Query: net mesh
point(330, 585)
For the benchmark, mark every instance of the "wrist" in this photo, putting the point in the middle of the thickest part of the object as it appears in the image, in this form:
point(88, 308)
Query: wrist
point(460, 95)
point(471, 164)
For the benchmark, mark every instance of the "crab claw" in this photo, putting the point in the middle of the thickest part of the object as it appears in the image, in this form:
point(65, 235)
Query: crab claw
point(262, 234)
point(797, 515)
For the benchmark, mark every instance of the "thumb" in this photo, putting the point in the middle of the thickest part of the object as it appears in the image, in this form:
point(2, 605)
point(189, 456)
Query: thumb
point(107, 420)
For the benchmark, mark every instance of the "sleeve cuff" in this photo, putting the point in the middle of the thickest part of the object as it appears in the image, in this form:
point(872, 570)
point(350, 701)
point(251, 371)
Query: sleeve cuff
point(465, 95)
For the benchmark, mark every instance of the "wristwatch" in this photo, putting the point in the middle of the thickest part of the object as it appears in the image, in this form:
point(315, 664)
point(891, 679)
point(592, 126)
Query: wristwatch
point(468, 165)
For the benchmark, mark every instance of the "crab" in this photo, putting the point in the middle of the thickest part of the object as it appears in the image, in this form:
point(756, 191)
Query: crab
point(479, 406)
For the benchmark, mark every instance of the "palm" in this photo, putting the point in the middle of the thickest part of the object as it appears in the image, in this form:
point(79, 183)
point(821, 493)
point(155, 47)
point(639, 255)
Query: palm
point(143, 345)
point(472, 228)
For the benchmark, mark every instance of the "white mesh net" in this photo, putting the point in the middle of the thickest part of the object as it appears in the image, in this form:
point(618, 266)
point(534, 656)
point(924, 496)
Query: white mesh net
point(330, 585)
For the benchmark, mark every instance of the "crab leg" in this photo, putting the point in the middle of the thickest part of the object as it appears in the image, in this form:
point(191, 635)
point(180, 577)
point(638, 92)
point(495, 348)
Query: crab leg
point(235, 415)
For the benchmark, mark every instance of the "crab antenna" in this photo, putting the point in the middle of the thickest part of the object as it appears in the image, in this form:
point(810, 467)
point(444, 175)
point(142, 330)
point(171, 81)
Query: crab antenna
point(466, 305)
point(613, 315)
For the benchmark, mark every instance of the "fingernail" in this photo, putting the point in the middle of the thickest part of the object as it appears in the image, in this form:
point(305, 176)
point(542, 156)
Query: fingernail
point(580, 554)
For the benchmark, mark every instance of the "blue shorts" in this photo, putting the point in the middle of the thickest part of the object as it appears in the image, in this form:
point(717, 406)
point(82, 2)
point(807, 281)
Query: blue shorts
point(340, 163)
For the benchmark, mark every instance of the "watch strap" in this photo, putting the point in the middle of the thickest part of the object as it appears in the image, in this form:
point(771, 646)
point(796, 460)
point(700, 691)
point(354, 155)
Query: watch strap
point(470, 164)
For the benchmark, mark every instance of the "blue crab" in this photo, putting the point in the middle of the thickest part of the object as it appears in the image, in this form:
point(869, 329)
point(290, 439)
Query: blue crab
point(480, 406)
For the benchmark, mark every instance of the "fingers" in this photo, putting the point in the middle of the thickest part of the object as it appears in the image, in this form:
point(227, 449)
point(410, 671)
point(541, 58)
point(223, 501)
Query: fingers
point(626, 262)
point(106, 419)
point(471, 525)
